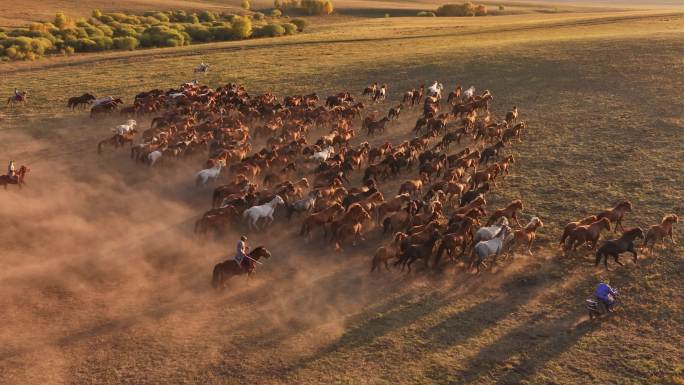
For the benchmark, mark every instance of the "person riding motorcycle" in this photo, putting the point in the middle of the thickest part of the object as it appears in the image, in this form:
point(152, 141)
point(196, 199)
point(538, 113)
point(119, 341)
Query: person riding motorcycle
point(606, 295)
point(241, 257)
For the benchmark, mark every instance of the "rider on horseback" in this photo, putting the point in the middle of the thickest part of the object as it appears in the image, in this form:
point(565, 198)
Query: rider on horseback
point(606, 295)
point(241, 257)
point(11, 171)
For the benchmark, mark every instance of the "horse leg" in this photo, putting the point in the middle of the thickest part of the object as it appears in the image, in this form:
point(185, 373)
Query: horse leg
point(631, 249)
point(616, 256)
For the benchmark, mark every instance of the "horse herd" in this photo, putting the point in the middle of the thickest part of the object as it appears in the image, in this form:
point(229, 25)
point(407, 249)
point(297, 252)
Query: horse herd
point(336, 185)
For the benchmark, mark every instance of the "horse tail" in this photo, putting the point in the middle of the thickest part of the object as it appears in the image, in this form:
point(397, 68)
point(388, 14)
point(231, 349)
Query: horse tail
point(198, 180)
point(215, 198)
point(99, 148)
point(375, 263)
point(386, 224)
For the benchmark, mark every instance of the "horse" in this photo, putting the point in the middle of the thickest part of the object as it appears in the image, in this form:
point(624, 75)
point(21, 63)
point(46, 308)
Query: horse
point(416, 251)
point(21, 97)
point(509, 212)
point(452, 241)
point(526, 235)
point(614, 247)
point(303, 205)
point(126, 128)
point(153, 157)
point(616, 213)
point(384, 253)
point(572, 225)
point(469, 93)
point(484, 249)
point(82, 100)
point(19, 179)
point(488, 232)
point(435, 90)
point(587, 233)
point(209, 173)
point(323, 155)
point(254, 213)
point(658, 233)
point(227, 269)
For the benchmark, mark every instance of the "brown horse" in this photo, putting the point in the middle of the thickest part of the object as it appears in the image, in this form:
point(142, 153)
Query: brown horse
point(385, 253)
point(587, 233)
point(117, 140)
point(657, 233)
point(458, 239)
point(509, 212)
point(18, 179)
point(572, 225)
point(19, 98)
point(227, 269)
point(615, 214)
point(526, 235)
point(82, 101)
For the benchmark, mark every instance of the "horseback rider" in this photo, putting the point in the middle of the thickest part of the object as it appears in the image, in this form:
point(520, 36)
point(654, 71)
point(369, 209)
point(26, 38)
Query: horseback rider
point(11, 171)
point(241, 257)
point(606, 295)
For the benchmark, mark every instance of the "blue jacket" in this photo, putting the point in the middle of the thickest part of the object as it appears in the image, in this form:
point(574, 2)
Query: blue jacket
point(603, 291)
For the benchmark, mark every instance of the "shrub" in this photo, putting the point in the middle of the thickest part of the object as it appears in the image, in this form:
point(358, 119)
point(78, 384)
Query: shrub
point(245, 5)
point(97, 14)
point(125, 31)
point(426, 14)
point(313, 7)
point(277, 4)
point(61, 20)
point(103, 43)
point(85, 45)
point(69, 50)
point(207, 16)
point(300, 23)
point(222, 32)
point(258, 16)
point(276, 13)
point(270, 30)
point(481, 10)
point(242, 27)
point(465, 9)
point(162, 36)
point(290, 29)
point(501, 7)
point(387, 15)
point(128, 43)
point(198, 32)
point(106, 30)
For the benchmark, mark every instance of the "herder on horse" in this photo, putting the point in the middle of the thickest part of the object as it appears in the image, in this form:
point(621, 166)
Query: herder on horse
point(241, 257)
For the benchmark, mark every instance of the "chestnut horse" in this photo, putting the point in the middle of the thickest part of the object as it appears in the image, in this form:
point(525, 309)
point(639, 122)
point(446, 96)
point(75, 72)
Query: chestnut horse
point(224, 270)
point(657, 233)
point(19, 179)
point(615, 214)
point(587, 233)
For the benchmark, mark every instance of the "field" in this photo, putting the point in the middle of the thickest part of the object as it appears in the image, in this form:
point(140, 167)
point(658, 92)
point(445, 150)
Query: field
point(103, 281)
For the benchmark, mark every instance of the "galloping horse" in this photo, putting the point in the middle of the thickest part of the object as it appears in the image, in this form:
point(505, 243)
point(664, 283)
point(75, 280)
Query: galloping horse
point(224, 270)
point(254, 213)
point(614, 247)
point(18, 180)
point(18, 98)
point(82, 100)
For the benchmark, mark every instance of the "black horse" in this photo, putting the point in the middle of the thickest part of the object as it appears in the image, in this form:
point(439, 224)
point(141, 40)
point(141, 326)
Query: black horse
point(615, 247)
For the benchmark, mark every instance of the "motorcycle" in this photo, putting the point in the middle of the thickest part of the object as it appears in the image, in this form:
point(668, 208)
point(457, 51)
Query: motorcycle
point(597, 308)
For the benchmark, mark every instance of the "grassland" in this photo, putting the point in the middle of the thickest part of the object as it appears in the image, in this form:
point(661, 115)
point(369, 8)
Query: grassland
point(602, 93)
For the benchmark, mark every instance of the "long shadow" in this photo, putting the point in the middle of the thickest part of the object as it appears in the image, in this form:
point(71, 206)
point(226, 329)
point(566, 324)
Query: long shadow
point(527, 348)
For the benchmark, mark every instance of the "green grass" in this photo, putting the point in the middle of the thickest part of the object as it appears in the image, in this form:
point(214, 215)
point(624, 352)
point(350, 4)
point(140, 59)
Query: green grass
point(602, 95)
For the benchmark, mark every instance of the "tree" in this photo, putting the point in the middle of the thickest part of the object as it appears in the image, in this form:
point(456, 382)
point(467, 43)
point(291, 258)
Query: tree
point(328, 7)
point(245, 4)
point(276, 13)
point(242, 27)
point(277, 4)
point(97, 14)
point(60, 20)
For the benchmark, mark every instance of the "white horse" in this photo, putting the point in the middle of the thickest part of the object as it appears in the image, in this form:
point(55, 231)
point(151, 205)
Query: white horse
point(484, 249)
point(469, 93)
point(125, 128)
point(153, 157)
point(322, 156)
point(488, 232)
point(436, 90)
point(254, 213)
point(209, 173)
point(106, 99)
